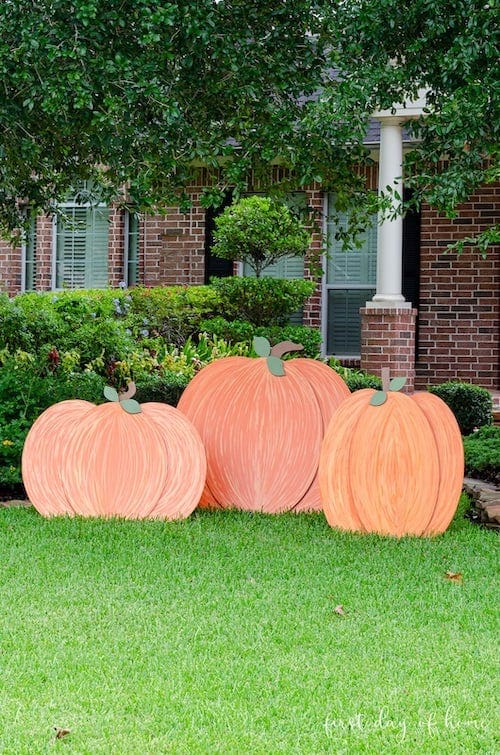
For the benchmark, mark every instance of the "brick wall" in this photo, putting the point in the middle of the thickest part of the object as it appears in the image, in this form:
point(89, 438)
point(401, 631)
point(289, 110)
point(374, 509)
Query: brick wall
point(388, 340)
point(173, 246)
point(459, 308)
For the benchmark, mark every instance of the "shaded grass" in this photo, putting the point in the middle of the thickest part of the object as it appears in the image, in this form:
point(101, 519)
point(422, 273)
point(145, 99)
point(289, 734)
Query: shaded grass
point(219, 634)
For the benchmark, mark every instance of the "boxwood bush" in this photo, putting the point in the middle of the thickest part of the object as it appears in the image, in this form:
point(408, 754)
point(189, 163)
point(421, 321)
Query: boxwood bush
point(471, 404)
point(482, 454)
point(261, 301)
point(241, 331)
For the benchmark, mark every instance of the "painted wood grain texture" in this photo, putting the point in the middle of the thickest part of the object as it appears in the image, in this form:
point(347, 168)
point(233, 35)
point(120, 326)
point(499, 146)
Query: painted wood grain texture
point(262, 433)
point(44, 452)
point(102, 461)
point(394, 469)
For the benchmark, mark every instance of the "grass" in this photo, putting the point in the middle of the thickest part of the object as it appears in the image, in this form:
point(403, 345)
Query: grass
point(219, 634)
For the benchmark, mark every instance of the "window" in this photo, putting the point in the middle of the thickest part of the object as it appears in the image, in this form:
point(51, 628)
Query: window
point(350, 281)
point(81, 246)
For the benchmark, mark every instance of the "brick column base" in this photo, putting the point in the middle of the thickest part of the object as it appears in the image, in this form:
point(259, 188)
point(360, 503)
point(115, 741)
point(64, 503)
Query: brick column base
point(388, 340)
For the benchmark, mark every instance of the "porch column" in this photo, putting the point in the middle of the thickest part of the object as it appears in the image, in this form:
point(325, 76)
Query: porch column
point(390, 229)
point(388, 321)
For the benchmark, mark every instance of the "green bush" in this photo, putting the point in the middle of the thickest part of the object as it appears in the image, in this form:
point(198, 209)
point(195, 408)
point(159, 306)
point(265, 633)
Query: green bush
point(166, 388)
point(172, 312)
point(482, 454)
point(471, 404)
point(240, 331)
point(355, 379)
point(261, 301)
point(27, 388)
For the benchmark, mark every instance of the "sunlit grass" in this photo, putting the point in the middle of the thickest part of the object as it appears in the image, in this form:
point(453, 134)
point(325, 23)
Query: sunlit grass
point(219, 634)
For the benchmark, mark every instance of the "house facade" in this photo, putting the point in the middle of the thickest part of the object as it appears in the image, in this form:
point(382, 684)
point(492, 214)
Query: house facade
point(442, 324)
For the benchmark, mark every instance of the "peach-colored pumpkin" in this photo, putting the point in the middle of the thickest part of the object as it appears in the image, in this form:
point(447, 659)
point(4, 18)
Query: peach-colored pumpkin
point(262, 432)
point(101, 460)
point(395, 468)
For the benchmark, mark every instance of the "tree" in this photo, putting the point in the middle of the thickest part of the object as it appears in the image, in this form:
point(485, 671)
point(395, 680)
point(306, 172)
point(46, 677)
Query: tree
point(259, 232)
point(386, 51)
point(140, 93)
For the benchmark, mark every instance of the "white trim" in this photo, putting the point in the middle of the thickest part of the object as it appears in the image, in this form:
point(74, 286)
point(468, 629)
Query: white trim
point(23, 264)
point(324, 296)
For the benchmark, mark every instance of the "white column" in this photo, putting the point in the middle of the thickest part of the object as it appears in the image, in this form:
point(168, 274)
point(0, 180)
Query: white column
point(390, 229)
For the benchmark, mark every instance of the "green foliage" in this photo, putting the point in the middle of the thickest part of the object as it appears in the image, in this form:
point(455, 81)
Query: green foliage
point(165, 388)
point(260, 301)
point(242, 332)
point(148, 90)
point(450, 52)
point(172, 312)
point(259, 231)
point(31, 383)
point(471, 404)
point(27, 388)
point(482, 454)
point(152, 91)
point(355, 379)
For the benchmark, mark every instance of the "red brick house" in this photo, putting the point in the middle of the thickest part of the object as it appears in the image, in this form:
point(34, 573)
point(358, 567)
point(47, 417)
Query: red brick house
point(400, 301)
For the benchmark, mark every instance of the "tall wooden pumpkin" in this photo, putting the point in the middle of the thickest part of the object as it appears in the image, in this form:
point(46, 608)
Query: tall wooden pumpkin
point(392, 463)
point(262, 422)
point(115, 459)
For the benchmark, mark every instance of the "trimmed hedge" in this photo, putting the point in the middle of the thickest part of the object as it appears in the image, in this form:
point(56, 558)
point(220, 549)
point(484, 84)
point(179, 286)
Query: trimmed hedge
point(240, 331)
point(471, 404)
point(261, 301)
point(482, 454)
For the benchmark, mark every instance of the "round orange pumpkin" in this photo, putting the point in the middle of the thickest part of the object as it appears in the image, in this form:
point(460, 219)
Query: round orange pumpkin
point(115, 459)
point(391, 464)
point(262, 422)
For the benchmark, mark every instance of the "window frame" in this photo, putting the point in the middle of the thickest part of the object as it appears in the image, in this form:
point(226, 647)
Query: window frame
point(71, 204)
point(326, 287)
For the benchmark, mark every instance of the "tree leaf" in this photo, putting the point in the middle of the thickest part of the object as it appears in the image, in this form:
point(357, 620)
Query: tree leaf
point(397, 383)
point(110, 393)
point(60, 732)
point(454, 576)
point(261, 346)
point(275, 366)
point(131, 406)
point(378, 398)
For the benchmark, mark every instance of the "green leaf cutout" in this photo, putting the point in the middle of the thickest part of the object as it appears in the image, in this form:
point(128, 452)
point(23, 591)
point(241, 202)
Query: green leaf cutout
point(131, 406)
point(275, 366)
point(261, 346)
point(397, 383)
point(378, 398)
point(110, 393)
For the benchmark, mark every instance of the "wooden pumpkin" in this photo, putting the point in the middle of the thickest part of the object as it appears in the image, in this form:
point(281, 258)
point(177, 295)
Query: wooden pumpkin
point(262, 422)
point(116, 459)
point(391, 463)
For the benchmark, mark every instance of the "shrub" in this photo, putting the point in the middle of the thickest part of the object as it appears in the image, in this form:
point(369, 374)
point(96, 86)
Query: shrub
point(482, 454)
point(471, 404)
point(239, 331)
point(354, 378)
point(173, 312)
point(166, 388)
point(27, 388)
point(260, 301)
point(259, 231)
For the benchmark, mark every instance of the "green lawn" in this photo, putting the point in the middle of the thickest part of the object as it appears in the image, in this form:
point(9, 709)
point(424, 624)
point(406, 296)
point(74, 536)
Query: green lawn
point(219, 634)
